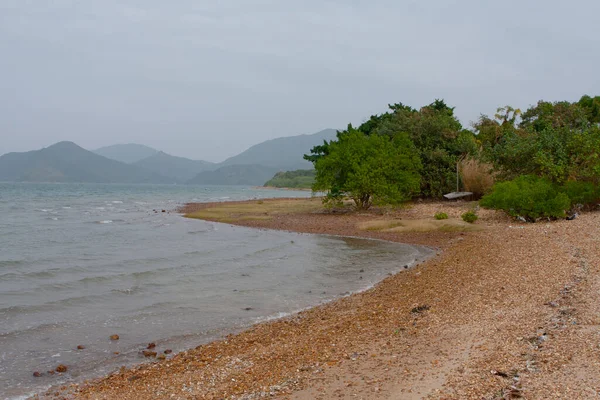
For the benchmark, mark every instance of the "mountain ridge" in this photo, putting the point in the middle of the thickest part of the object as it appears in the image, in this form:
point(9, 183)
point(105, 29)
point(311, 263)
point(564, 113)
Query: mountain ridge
point(67, 162)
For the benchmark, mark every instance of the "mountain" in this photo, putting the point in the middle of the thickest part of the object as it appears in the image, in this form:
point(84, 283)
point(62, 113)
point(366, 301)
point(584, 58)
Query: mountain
point(178, 168)
point(282, 153)
point(67, 162)
point(252, 175)
point(126, 153)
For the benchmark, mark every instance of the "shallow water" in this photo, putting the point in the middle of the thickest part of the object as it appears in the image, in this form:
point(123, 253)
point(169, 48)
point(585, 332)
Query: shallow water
point(79, 263)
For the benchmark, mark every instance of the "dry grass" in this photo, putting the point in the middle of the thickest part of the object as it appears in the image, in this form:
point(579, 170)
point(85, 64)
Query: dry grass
point(419, 225)
point(476, 176)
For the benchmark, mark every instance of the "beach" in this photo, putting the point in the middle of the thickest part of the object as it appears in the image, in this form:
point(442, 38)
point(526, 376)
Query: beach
point(504, 310)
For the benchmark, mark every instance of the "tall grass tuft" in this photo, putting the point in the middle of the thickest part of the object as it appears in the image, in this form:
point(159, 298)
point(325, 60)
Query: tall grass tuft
point(477, 177)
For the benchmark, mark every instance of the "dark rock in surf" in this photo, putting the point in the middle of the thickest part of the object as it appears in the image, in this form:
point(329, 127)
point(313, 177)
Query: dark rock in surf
point(61, 368)
point(148, 353)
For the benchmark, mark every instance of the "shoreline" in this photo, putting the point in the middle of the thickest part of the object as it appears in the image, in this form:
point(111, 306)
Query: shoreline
point(436, 330)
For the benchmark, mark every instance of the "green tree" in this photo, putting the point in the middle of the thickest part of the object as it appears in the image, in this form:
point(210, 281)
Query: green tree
point(369, 169)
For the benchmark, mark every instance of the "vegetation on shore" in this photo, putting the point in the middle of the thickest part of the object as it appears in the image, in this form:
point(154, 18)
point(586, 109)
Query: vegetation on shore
point(298, 179)
point(544, 162)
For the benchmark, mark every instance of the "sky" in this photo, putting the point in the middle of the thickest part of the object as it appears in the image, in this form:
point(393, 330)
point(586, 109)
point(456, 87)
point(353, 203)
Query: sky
point(208, 79)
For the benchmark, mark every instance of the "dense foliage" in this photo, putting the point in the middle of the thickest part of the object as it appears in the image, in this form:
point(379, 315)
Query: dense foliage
point(545, 160)
point(550, 153)
point(558, 141)
point(298, 179)
point(437, 136)
point(368, 169)
point(529, 197)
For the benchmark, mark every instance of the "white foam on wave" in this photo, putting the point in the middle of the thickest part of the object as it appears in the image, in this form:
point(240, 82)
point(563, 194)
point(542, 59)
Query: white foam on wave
point(66, 208)
point(99, 208)
point(117, 202)
point(108, 221)
point(54, 219)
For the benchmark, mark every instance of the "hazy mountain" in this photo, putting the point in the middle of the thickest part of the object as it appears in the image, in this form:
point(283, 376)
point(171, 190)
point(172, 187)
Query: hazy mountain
point(178, 168)
point(253, 175)
point(126, 153)
point(67, 162)
point(282, 153)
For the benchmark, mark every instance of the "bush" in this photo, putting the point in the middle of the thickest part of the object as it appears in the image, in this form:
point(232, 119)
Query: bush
point(441, 215)
point(469, 217)
point(584, 193)
point(528, 196)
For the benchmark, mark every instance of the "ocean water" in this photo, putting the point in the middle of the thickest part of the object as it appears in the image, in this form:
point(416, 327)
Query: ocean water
point(81, 262)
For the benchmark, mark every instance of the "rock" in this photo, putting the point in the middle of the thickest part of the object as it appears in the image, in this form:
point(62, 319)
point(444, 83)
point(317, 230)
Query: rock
point(362, 270)
point(37, 374)
point(149, 353)
point(114, 337)
point(80, 347)
point(61, 368)
point(248, 309)
point(419, 309)
point(161, 357)
point(151, 345)
point(406, 267)
point(116, 353)
point(168, 351)
point(164, 211)
point(50, 372)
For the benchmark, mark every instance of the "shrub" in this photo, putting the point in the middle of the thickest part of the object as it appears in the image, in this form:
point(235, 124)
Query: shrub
point(441, 215)
point(584, 193)
point(476, 176)
point(469, 217)
point(528, 196)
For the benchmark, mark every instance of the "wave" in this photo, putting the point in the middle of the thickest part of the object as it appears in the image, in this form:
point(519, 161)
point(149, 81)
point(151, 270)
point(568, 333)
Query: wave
point(11, 263)
point(107, 221)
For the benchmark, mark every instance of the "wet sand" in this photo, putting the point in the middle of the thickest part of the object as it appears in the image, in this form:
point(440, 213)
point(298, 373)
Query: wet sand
point(510, 310)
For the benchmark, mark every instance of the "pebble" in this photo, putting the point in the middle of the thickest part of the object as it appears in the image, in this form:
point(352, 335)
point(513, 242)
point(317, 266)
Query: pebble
point(114, 337)
point(37, 374)
point(151, 345)
point(61, 368)
point(168, 351)
point(148, 353)
point(80, 347)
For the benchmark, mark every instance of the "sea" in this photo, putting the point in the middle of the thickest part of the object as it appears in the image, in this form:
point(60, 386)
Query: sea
point(82, 262)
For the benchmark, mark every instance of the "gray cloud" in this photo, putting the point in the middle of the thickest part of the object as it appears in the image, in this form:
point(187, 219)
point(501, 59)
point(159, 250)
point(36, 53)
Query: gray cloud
point(208, 79)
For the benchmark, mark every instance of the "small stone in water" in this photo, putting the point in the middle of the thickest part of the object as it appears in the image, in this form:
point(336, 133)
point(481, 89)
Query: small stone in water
point(80, 347)
point(114, 337)
point(151, 345)
point(61, 368)
point(148, 353)
point(161, 357)
point(37, 374)
point(168, 351)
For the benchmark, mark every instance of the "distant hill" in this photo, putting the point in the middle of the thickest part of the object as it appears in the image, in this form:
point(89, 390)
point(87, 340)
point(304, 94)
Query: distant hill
point(282, 153)
point(299, 179)
point(67, 162)
point(252, 175)
point(126, 153)
point(178, 168)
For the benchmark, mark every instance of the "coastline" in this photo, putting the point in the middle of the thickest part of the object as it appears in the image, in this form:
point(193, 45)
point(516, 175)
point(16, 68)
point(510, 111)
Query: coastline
point(463, 324)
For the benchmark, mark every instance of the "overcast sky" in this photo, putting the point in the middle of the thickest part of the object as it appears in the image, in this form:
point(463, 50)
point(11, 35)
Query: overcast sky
point(207, 79)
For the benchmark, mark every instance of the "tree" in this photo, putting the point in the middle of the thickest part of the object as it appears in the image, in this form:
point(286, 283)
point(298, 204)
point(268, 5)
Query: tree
point(369, 169)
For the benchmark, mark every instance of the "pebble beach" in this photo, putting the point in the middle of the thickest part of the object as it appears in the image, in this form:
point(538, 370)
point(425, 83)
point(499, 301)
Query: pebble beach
point(510, 310)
